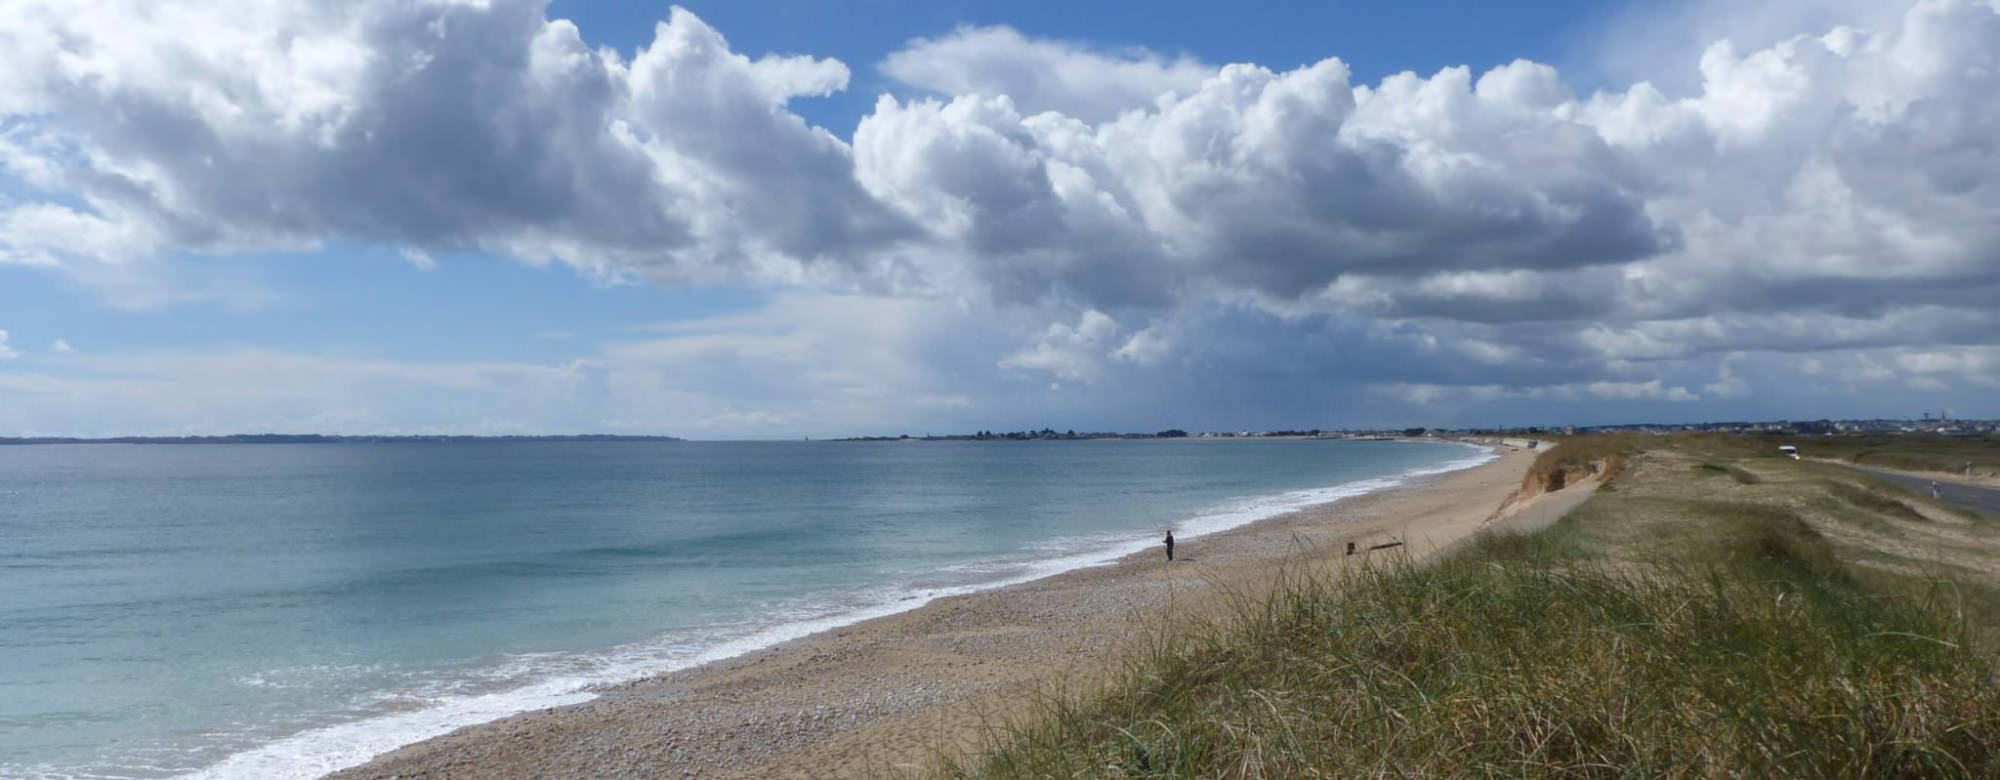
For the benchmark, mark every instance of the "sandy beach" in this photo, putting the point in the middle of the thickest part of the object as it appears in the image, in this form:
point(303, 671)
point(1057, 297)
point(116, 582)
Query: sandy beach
point(884, 696)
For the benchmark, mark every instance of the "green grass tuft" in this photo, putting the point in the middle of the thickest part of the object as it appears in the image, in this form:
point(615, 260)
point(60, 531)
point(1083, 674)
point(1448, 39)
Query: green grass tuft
point(1923, 452)
point(1876, 498)
point(1741, 476)
point(1729, 639)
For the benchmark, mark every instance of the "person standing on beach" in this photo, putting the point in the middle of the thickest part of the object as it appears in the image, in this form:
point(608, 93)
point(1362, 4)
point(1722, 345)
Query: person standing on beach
point(1170, 545)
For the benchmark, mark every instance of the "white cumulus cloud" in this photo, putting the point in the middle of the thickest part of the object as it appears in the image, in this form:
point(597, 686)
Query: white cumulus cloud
point(1810, 186)
point(237, 126)
point(1070, 78)
point(1074, 353)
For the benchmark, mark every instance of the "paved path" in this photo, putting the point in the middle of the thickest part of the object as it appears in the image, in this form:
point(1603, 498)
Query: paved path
point(1984, 500)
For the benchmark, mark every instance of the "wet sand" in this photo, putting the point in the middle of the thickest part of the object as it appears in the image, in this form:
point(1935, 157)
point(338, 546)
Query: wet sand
point(884, 696)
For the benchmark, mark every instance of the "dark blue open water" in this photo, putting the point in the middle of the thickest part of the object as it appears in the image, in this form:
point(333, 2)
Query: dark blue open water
point(284, 610)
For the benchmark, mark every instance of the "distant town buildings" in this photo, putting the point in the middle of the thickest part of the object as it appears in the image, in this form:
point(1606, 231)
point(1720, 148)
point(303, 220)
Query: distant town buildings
point(1935, 425)
point(1768, 427)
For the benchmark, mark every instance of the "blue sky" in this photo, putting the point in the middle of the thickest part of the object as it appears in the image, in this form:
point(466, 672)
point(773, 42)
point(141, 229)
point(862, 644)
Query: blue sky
point(314, 298)
point(1376, 38)
point(591, 216)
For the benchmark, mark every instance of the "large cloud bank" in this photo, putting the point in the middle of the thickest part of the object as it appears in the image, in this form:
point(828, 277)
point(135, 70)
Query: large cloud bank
point(1827, 206)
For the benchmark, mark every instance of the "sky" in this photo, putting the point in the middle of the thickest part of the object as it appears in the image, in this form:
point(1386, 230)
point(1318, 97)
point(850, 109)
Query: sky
point(780, 218)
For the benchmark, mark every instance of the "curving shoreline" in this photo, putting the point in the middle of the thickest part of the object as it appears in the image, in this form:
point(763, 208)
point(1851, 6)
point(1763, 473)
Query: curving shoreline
point(887, 692)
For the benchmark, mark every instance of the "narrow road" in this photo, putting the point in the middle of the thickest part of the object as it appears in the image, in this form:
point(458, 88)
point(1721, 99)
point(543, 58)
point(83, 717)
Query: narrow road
point(1983, 500)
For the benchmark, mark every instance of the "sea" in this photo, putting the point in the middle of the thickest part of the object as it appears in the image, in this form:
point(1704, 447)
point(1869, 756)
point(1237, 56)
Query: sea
point(285, 610)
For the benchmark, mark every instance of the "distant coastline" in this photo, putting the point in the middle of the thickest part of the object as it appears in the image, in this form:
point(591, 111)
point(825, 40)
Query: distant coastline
point(314, 438)
point(1045, 434)
point(1928, 425)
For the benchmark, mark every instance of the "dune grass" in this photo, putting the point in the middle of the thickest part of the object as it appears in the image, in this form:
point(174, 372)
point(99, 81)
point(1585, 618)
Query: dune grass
point(1741, 476)
point(1574, 456)
point(1574, 452)
point(1665, 633)
point(1876, 497)
point(1923, 452)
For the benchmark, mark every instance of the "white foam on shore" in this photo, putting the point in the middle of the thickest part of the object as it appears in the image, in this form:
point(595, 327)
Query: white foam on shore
point(572, 678)
point(1104, 550)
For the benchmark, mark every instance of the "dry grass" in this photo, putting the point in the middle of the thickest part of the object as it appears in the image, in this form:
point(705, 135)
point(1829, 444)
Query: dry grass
point(1678, 627)
point(1575, 455)
point(1510, 661)
point(1931, 453)
point(1874, 498)
point(1741, 476)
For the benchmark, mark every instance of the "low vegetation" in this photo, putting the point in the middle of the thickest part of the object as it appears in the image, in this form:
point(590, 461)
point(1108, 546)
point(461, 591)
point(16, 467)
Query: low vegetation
point(1575, 457)
point(1742, 477)
point(1880, 499)
point(1792, 621)
point(1931, 453)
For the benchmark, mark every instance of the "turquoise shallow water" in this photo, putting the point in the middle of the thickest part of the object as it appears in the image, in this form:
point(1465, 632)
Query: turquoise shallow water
point(283, 610)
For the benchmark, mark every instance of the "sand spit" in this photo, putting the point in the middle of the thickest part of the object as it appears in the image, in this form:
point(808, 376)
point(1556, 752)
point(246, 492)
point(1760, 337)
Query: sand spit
point(885, 695)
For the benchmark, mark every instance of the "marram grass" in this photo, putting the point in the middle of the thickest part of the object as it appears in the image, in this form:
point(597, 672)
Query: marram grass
point(1756, 654)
